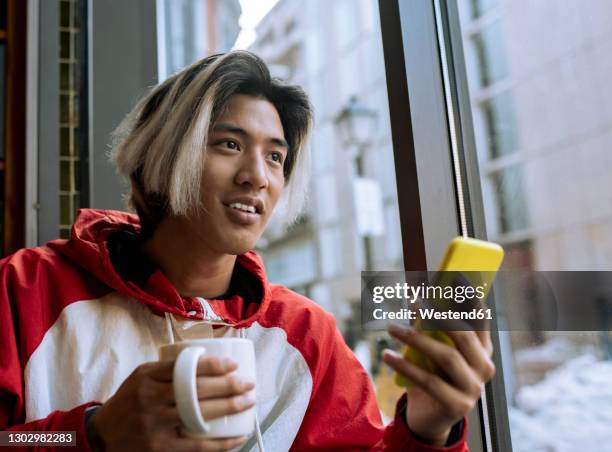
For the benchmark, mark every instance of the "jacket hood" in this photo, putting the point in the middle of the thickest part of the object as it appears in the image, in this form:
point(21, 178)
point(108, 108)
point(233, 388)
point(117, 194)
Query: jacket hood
point(88, 249)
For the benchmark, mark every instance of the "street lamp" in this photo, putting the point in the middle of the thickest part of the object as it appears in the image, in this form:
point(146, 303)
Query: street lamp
point(357, 125)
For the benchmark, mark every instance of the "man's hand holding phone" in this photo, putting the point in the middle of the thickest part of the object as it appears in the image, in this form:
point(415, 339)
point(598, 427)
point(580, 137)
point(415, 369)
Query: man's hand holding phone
point(444, 371)
point(436, 403)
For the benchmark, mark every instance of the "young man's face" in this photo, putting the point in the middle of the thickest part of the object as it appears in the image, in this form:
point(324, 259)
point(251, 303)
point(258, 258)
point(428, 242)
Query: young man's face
point(243, 175)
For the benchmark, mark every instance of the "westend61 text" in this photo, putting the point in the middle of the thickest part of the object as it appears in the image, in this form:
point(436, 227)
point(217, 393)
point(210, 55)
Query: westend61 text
point(432, 314)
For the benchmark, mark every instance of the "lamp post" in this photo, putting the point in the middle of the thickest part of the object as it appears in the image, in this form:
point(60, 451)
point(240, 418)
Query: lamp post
point(357, 125)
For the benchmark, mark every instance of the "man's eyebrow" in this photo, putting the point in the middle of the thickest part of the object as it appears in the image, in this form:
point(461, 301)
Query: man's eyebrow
point(227, 127)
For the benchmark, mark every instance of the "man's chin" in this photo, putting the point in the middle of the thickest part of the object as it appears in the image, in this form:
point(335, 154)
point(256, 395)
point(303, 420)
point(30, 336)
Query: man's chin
point(240, 246)
point(242, 250)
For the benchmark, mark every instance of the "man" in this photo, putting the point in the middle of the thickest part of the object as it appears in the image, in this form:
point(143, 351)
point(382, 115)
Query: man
point(209, 153)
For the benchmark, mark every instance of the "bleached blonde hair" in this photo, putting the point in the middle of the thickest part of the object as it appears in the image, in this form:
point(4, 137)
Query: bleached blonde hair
point(161, 144)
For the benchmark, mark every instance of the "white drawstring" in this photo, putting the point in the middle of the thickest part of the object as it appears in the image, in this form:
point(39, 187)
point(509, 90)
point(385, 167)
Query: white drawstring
point(242, 334)
point(169, 328)
point(260, 444)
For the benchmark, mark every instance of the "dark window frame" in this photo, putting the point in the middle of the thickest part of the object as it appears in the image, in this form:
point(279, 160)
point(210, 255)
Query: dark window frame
point(429, 197)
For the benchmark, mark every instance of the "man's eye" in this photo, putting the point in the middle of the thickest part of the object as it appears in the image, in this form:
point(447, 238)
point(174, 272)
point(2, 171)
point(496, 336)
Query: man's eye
point(230, 144)
point(277, 157)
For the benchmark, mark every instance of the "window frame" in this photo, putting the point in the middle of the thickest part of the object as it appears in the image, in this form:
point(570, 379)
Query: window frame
point(437, 172)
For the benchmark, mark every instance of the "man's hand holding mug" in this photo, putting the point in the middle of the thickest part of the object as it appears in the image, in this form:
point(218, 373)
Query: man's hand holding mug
point(143, 414)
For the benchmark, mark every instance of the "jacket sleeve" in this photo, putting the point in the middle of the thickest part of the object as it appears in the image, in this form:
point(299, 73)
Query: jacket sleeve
point(343, 414)
point(12, 360)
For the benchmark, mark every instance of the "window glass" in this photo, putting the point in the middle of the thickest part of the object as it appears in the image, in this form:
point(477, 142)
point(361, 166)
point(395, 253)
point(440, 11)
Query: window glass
point(501, 131)
point(327, 204)
point(489, 47)
point(346, 27)
point(509, 199)
point(191, 29)
point(295, 266)
point(539, 87)
point(69, 70)
point(330, 250)
point(480, 7)
point(334, 50)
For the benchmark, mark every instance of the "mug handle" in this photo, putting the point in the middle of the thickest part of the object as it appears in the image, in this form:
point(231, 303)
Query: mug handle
point(185, 390)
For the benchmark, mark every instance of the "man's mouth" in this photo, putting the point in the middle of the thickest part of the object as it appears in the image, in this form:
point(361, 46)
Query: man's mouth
point(246, 211)
point(243, 207)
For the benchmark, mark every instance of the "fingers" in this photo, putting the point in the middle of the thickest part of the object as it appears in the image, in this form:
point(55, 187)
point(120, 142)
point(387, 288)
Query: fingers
point(454, 402)
point(449, 359)
point(209, 387)
point(476, 354)
point(214, 408)
point(207, 365)
point(485, 340)
point(213, 387)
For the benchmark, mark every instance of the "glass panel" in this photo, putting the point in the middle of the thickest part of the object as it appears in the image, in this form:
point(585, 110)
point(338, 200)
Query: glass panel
point(490, 49)
point(65, 44)
point(341, 242)
point(480, 7)
point(65, 214)
point(510, 199)
point(501, 129)
point(64, 14)
point(65, 148)
point(65, 175)
point(543, 122)
point(69, 111)
point(64, 76)
point(65, 108)
point(64, 232)
point(76, 174)
point(185, 40)
point(322, 255)
point(75, 141)
point(74, 119)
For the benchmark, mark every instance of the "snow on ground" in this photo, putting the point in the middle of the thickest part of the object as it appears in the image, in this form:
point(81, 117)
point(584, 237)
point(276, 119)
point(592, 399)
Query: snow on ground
point(569, 410)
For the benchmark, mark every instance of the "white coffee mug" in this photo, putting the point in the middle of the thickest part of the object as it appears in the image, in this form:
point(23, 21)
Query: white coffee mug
point(187, 354)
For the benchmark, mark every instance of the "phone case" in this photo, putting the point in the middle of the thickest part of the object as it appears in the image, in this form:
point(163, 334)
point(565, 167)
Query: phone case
point(463, 254)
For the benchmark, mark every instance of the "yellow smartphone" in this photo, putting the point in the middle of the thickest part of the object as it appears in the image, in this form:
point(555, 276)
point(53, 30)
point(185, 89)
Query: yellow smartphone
point(482, 260)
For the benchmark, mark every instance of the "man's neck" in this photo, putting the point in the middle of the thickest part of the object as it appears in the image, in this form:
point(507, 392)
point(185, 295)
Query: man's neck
point(192, 267)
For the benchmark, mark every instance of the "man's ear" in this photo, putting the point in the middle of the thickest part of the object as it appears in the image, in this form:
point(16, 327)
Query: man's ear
point(137, 201)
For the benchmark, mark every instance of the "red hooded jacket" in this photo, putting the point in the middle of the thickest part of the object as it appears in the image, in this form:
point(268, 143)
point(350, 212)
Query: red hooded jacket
point(72, 330)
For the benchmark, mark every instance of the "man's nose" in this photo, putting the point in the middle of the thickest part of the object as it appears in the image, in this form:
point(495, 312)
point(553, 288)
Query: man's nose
point(252, 170)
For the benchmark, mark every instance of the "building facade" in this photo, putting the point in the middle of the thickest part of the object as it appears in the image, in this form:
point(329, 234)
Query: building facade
point(541, 105)
point(334, 50)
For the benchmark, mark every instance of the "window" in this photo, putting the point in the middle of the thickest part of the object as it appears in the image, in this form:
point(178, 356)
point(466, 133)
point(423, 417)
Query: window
point(490, 50)
point(70, 188)
point(547, 92)
point(480, 7)
point(191, 29)
point(537, 117)
point(345, 23)
point(525, 131)
point(500, 129)
point(334, 50)
point(293, 264)
point(510, 199)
